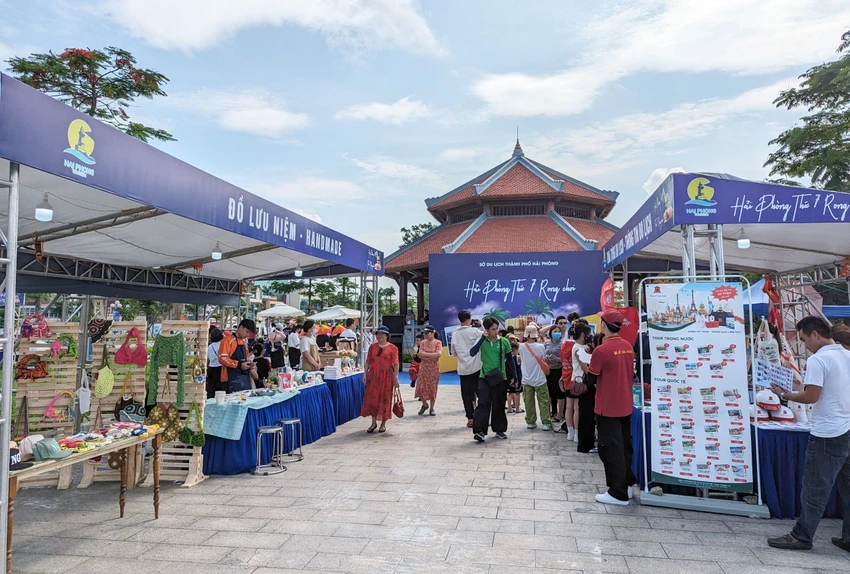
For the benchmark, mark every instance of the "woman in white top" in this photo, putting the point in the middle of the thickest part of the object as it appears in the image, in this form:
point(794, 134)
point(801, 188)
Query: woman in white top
point(213, 366)
point(532, 359)
point(586, 428)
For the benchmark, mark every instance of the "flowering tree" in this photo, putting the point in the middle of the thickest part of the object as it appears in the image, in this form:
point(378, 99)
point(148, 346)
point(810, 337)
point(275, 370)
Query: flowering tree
point(101, 83)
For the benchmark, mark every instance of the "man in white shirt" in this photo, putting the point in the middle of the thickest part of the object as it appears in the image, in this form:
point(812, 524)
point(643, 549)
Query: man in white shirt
point(349, 333)
point(306, 344)
point(463, 339)
point(532, 359)
point(827, 386)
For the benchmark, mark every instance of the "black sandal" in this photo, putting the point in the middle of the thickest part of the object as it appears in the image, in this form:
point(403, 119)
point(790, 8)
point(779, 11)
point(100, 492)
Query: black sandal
point(371, 429)
point(423, 409)
point(382, 429)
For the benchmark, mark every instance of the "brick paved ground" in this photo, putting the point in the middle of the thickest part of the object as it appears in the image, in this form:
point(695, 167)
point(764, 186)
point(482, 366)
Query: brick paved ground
point(422, 498)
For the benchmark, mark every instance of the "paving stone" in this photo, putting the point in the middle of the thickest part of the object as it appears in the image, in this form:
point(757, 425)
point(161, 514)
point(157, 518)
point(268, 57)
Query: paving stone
point(604, 546)
point(39, 563)
point(667, 566)
point(353, 564)
point(429, 536)
point(815, 558)
point(187, 553)
point(583, 562)
point(500, 556)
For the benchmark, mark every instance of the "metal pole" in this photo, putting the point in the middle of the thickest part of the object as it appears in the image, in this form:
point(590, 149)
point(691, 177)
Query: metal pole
point(721, 256)
point(712, 252)
point(82, 352)
point(685, 263)
point(692, 257)
point(8, 352)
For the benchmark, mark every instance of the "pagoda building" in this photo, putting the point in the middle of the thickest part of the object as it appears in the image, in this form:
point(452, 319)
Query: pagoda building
point(518, 206)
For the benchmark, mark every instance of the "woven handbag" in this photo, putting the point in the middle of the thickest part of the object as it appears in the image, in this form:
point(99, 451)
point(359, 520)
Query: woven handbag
point(30, 367)
point(189, 436)
point(62, 414)
point(105, 377)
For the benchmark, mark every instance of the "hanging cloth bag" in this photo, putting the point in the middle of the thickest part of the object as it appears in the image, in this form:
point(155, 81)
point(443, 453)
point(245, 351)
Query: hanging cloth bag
point(398, 403)
point(84, 393)
point(30, 368)
point(127, 355)
point(189, 436)
point(767, 347)
point(105, 377)
point(98, 327)
point(63, 414)
point(38, 325)
point(126, 398)
point(22, 423)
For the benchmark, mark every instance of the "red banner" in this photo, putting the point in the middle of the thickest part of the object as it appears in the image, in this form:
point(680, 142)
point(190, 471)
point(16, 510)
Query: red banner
point(606, 296)
point(631, 324)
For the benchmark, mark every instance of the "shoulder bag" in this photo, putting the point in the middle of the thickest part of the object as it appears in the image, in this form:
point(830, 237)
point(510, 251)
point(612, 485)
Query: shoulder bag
point(31, 367)
point(126, 398)
point(105, 377)
point(496, 377)
point(543, 366)
point(189, 436)
point(63, 414)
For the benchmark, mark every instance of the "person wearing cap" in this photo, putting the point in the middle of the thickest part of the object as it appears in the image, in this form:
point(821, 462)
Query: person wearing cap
point(428, 379)
point(468, 367)
point(381, 380)
point(233, 355)
point(611, 369)
point(827, 461)
point(490, 411)
point(532, 354)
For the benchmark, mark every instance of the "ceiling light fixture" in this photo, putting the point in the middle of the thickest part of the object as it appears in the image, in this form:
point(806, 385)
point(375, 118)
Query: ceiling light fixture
point(743, 241)
point(216, 252)
point(299, 272)
point(44, 211)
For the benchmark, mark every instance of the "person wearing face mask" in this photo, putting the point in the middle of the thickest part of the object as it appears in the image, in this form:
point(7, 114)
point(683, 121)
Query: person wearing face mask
point(553, 359)
point(309, 349)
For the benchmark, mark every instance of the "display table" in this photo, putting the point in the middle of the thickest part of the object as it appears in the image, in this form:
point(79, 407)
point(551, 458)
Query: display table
point(347, 395)
point(124, 444)
point(313, 406)
point(780, 466)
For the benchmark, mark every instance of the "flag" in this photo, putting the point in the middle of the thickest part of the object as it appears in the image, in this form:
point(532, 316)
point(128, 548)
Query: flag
point(606, 297)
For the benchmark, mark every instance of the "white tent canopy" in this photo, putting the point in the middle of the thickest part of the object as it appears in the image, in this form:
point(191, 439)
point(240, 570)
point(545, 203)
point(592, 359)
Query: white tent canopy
point(336, 313)
point(281, 310)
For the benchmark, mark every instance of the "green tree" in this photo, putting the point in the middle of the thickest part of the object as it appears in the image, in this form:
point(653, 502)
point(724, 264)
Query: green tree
point(101, 83)
point(387, 301)
point(279, 288)
point(414, 232)
point(154, 311)
point(539, 308)
point(818, 147)
point(346, 286)
point(324, 290)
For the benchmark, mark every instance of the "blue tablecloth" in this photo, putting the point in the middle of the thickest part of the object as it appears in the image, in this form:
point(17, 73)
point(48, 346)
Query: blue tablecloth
point(227, 420)
point(312, 405)
point(780, 465)
point(347, 394)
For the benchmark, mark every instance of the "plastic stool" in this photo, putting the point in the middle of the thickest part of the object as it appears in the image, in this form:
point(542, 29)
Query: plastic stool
point(292, 455)
point(275, 465)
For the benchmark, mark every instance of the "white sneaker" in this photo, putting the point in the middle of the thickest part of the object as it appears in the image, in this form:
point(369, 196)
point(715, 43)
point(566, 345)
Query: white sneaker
point(575, 438)
point(531, 426)
point(631, 495)
point(608, 499)
point(547, 427)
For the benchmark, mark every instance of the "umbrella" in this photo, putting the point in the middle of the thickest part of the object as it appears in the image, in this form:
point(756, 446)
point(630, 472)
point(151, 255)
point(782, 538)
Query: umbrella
point(336, 312)
point(281, 310)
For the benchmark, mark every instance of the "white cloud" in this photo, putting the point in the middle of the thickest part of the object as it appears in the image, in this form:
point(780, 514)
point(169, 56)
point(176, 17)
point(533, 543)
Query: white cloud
point(464, 153)
point(385, 168)
point(400, 112)
point(620, 142)
point(657, 176)
point(356, 25)
point(256, 112)
point(686, 36)
point(311, 187)
point(313, 216)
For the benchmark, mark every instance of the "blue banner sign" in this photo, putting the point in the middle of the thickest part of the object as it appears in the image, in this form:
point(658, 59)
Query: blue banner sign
point(47, 135)
point(19, 298)
point(514, 288)
point(652, 220)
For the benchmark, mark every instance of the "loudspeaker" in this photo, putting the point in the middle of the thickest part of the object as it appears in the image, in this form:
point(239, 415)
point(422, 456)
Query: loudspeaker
point(395, 323)
point(397, 339)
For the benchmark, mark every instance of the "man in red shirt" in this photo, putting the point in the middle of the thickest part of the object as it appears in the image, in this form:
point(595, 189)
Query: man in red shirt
point(612, 370)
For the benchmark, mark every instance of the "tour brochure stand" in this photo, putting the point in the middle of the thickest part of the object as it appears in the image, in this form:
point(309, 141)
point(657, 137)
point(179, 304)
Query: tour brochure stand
point(700, 423)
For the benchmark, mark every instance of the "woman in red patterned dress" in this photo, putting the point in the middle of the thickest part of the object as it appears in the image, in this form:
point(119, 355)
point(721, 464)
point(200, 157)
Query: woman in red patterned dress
point(381, 380)
point(430, 351)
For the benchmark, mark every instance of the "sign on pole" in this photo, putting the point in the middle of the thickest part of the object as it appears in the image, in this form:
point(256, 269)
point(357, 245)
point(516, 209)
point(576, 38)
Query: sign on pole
point(700, 408)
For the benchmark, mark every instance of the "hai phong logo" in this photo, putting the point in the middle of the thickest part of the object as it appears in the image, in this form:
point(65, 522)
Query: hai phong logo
point(701, 195)
point(81, 147)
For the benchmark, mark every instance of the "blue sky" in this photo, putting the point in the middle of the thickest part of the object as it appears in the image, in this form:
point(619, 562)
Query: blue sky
point(355, 111)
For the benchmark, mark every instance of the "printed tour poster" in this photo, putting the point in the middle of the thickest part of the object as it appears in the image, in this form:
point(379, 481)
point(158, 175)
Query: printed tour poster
point(700, 408)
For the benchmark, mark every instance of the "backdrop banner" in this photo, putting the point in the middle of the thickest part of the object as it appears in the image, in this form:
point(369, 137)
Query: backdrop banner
point(514, 288)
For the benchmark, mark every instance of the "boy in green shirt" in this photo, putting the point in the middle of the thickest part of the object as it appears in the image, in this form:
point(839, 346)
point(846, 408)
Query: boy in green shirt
point(492, 397)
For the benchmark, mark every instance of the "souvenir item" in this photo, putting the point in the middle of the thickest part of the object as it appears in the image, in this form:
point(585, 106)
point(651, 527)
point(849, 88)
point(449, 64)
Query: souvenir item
point(783, 415)
point(167, 351)
point(168, 418)
point(758, 414)
point(35, 325)
point(187, 435)
point(31, 367)
point(105, 377)
point(67, 346)
point(49, 449)
point(22, 426)
point(98, 327)
point(126, 398)
point(63, 414)
point(198, 371)
point(132, 413)
point(127, 355)
point(84, 393)
point(768, 400)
